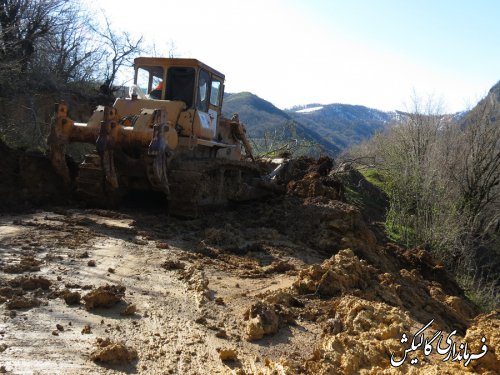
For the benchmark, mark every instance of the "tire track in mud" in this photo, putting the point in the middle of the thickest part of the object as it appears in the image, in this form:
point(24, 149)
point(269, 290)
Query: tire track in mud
point(165, 336)
point(30, 350)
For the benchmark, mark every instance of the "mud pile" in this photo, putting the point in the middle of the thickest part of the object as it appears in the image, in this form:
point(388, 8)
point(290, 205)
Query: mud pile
point(26, 291)
point(306, 177)
point(366, 293)
point(364, 313)
point(345, 273)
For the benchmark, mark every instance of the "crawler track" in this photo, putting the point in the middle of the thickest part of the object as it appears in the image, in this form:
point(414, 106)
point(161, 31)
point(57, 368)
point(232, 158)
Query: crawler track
point(192, 185)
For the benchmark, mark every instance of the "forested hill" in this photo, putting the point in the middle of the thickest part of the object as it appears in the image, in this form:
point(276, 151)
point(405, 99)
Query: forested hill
point(334, 127)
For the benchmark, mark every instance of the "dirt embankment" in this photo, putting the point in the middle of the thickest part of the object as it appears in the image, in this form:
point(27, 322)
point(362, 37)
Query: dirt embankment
point(27, 179)
point(294, 284)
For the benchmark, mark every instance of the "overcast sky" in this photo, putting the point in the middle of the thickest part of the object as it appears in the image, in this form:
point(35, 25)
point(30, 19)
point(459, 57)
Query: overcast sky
point(372, 53)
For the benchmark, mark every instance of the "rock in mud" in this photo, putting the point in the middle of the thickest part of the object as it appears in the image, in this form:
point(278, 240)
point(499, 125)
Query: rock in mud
point(22, 303)
point(104, 296)
point(9, 292)
point(262, 320)
point(173, 265)
point(341, 273)
point(129, 310)
point(279, 266)
point(113, 352)
point(226, 354)
point(30, 283)
point(221, 333)
point(26, 264)
point(283, 299)
point(71, 298)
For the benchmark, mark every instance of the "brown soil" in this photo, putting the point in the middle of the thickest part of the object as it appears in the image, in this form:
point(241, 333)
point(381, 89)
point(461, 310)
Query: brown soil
point(30, 283)
point(71, 298)
point(27, 179)
point(294, 284)
point(22, 303)
point(25, 264)
point(113, 352)
point(104, 296)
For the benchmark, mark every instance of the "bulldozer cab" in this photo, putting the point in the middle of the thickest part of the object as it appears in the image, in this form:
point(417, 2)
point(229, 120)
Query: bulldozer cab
point(186, 80)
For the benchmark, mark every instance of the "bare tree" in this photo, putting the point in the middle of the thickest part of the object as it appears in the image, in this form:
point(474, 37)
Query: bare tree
point(22, 24)
point(477, 168)
point(406, 153)
point(74, 55)
point(121, 48)
point(69, 53)
point(46, 46)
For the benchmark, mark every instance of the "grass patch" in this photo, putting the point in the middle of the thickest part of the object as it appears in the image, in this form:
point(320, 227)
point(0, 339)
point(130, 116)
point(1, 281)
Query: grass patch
point(375, 177)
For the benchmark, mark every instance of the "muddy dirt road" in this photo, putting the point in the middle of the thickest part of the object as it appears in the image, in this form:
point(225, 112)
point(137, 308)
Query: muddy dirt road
point(240, 291)
point(189, 306)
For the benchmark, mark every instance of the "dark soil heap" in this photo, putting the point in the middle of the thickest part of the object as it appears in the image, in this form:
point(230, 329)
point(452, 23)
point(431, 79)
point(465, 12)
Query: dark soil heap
point(27, 179)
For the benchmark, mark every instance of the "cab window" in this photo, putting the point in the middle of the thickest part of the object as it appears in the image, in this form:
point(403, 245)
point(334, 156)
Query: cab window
point(143, 80)
point(215, 93)
point(203, 91)
point(150, 80)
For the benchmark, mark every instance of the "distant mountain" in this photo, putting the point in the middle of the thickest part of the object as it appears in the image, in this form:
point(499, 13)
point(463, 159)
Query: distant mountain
point(261, 117)
point(334, 126)
point(343, 124)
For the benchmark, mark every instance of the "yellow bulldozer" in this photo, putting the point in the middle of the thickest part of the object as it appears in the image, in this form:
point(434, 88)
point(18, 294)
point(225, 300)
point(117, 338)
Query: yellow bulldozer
point(169, 135)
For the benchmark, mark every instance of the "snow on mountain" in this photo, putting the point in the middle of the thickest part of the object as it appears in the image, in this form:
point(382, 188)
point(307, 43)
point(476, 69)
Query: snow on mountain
point(308, 110)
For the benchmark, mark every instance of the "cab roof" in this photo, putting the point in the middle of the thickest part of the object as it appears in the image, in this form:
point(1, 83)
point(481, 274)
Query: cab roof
point(168, 62)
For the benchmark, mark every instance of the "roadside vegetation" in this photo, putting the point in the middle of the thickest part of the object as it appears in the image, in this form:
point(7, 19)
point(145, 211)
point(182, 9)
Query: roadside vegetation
point(441, 174)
